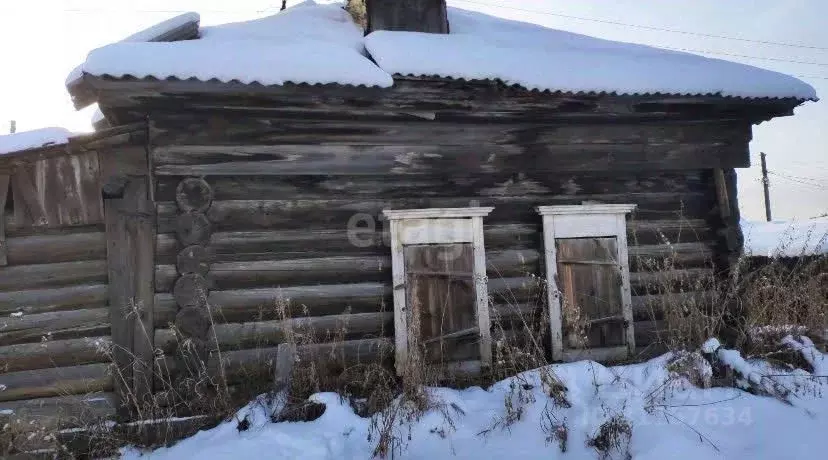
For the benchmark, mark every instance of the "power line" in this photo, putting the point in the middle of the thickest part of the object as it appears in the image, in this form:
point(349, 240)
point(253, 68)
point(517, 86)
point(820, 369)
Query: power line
point(806, 179)
point(722, 53)
point(798, 181)
point(639, 26)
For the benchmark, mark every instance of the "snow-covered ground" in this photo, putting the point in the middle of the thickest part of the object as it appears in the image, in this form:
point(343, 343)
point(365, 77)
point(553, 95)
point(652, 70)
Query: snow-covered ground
point(786, 238)
point(669, 417)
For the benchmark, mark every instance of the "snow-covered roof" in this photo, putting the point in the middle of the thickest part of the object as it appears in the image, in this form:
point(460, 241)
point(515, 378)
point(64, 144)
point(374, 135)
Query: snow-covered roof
point(310, 43)
point(786, 239)
point(163, 31)
point(483, 47)
point(38, 138)
point(320, 43)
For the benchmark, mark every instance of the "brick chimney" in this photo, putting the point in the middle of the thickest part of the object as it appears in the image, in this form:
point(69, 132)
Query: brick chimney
point(407, 15)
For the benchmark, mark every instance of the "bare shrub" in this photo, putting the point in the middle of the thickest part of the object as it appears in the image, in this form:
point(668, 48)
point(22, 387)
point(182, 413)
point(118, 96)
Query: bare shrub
point(613, 438)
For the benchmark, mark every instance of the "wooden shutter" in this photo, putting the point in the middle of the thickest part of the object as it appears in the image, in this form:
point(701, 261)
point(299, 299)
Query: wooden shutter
point(441, 294)
point(590, 280)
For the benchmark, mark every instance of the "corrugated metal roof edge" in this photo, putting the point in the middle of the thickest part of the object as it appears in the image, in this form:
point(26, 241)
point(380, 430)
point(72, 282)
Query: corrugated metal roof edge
point(597, 93)
point(473, 81)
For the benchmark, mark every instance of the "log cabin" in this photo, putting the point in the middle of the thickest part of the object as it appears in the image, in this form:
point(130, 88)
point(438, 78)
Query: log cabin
point(416, 186)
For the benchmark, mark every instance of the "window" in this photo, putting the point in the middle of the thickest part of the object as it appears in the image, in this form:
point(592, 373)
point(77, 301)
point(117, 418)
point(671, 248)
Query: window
point(588, 281)
point(441, 305)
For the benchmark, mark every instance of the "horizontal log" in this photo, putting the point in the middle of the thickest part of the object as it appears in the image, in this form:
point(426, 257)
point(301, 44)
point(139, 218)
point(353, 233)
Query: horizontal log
point(69, 247)
point(656, 257)
point(247, 129)
point(242, 305)
point(56, 381)
point(649, 333)
point(58, 412)
point(241, 246)
point(93, 322)
point(339, 269)
point(424, 159)
point(23, 277)
point(356, 188)
point(234, 336)
point(54, 353)
point(443, 99)
point(658, 282)
point(243, 365)
point(332, 213)
point(653, 306)
point(364, 269)
point(49, 300)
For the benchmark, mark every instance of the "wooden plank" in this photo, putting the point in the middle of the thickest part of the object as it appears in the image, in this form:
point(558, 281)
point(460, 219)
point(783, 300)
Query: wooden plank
point(651, 307)
point(233, 336)
point(54, 326)
point(439, 305)
point(481, 292)
point(604, 355)
point(141, 229)
point(57, 412)
point(56, 381)
point(305, 243)
point(403, 316)
point(317, 300)
point(434, 231)
point(650, 332)
point(291, 214)
point(4, 193)
point(283, 370)
point(590, 291)
point(647, 237)
point(29, 210)
point(66, 247)
point(691, 279)
point(23, 277)
point(401, 160)
point(250, 127)
point(626, 288)
point(445, 98)
point(48, 300)
point(357, 187)
point(721, 193)
point(127, 287)
point(53, 353)
point(119, 289)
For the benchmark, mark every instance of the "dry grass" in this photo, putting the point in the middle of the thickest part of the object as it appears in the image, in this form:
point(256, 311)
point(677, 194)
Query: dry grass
point(754, 306)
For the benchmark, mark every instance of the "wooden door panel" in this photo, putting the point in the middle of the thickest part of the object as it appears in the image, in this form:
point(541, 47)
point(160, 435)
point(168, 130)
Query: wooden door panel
point(441, 294)
point(590, 280)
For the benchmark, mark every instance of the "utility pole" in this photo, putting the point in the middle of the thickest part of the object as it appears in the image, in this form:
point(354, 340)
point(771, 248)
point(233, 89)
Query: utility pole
point(765, 184)
point(12, 127)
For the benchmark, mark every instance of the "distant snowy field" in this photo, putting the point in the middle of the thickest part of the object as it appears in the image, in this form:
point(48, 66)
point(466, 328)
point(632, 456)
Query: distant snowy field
point(670, 418)
point(786, 238)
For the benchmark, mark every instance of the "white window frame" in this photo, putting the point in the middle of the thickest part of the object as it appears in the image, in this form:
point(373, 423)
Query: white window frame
point(585, 221)
point(438, 226)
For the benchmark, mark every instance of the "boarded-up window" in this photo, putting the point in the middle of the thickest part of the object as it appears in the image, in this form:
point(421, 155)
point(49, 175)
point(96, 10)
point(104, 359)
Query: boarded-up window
point(441, 293)
point(590, 281)
point(441, 307)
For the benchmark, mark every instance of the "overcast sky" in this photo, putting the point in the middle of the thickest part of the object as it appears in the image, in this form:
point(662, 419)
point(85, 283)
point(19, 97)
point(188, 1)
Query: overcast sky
point(43, 40)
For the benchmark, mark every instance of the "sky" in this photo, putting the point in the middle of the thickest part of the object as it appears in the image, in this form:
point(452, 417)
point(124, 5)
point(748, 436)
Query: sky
point(42, 40)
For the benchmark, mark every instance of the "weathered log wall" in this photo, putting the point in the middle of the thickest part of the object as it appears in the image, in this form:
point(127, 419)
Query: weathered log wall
point(293, 218)
point(53, 309)
point(55, 328)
